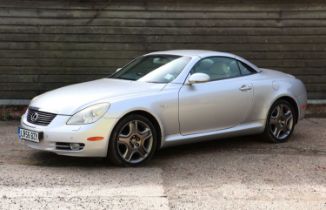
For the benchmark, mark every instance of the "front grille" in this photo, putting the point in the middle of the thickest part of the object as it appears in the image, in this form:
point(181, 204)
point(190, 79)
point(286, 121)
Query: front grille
point(39, 118)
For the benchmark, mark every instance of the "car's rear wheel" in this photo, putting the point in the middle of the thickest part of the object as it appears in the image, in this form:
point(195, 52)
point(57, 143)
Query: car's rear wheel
point(133, 141)
point(280, 122)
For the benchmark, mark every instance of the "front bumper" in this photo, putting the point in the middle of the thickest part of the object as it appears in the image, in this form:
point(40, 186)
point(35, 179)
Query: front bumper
point(59, 132)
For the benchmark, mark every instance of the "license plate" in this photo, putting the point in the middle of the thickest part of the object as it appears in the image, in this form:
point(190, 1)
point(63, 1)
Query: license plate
point(28, 135)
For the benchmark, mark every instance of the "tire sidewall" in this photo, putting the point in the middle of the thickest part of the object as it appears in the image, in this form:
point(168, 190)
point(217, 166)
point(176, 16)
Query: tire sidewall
point(267, 128)
point(113, 154)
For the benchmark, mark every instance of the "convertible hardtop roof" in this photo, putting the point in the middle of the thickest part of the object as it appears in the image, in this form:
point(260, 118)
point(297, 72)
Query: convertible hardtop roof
point(203, 54)
point(200, 53)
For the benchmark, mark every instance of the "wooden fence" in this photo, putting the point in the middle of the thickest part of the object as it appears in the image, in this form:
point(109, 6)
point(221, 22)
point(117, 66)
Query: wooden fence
point(45, 44)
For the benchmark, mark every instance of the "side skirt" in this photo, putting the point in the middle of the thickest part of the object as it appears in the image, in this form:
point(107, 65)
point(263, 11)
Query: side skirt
point(239, 130)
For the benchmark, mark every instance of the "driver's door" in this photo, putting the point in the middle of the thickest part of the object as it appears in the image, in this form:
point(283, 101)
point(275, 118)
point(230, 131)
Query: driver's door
point(223, 102)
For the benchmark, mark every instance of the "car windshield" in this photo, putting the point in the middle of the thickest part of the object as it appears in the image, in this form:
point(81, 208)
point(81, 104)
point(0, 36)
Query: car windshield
point(153, 68)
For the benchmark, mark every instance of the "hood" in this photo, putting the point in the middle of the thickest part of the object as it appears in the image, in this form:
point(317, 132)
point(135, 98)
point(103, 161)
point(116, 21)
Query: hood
point(67, 100)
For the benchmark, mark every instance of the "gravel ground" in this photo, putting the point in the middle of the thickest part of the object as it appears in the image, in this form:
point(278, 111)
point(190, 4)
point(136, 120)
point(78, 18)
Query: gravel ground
point(238, 173)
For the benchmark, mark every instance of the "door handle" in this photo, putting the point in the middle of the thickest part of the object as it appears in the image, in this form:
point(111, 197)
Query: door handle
point(245, 88)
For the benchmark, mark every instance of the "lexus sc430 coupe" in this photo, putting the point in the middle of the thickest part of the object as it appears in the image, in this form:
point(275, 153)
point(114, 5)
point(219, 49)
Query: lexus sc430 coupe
point(163, 99)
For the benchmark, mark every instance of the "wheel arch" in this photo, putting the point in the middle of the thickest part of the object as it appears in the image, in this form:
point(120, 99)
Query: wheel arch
point(292, 101)
point(150, 117)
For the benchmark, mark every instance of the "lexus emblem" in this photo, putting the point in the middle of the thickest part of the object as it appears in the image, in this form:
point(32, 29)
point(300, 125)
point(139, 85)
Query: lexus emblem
point(34, 117)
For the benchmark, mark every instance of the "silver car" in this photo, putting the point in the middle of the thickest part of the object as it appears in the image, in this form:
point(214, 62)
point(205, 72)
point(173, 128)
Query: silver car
point(163, 99)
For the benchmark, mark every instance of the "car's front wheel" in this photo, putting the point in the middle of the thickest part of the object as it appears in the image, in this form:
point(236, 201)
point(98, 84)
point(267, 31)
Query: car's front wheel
point(133, 141)
point(280, 122)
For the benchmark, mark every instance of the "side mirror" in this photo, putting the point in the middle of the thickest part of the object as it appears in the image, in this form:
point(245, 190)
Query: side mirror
point(118, 69)
point(198, 78)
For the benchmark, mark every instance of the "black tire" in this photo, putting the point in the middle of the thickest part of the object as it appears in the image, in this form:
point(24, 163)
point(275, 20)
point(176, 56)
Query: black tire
point(275, 124)
point(115, 148)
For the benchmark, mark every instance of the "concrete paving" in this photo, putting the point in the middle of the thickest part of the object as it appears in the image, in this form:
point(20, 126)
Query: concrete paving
point(237, 173)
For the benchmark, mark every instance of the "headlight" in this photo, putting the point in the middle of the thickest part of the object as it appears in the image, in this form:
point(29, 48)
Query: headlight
point(89, 115)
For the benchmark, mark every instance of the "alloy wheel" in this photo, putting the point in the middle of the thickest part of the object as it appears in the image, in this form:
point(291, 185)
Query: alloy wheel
point(281, 121)
point(134, 141)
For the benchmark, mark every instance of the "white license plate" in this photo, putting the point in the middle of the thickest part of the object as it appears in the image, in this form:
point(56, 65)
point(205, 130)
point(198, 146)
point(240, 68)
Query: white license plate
point(28, 135)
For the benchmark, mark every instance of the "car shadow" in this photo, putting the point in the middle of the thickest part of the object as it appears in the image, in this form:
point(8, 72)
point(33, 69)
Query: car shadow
point(41, 158)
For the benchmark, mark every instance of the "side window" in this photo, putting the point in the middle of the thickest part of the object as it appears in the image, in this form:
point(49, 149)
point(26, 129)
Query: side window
point(218, 67)
point(245, 69)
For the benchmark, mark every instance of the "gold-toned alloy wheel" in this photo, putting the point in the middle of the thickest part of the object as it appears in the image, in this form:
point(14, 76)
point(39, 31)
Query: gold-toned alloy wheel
point(134, 141)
